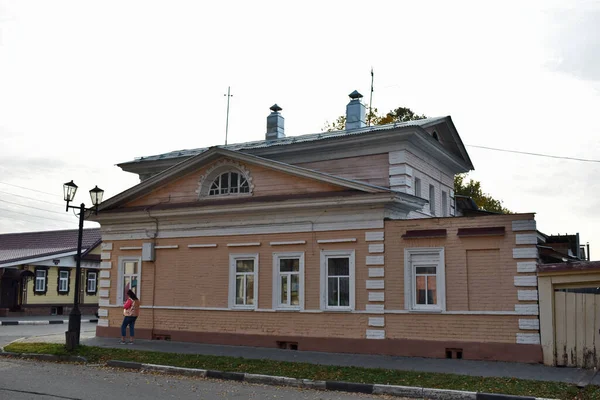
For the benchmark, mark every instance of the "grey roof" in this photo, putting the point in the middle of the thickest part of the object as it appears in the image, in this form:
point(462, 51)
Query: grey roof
point(22, 246)
point(293, 139)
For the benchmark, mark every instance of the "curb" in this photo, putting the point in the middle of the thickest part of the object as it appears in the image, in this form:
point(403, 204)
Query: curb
point(365, 388)
point(50, 322)
point(44, 357)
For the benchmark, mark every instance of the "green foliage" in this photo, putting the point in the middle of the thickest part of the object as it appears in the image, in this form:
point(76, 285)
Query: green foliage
point(523, 387)
point(403, 114)
point(473, 189)
point(400, 114)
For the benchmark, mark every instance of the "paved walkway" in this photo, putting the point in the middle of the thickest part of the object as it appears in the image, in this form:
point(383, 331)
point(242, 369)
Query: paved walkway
point(463, 367)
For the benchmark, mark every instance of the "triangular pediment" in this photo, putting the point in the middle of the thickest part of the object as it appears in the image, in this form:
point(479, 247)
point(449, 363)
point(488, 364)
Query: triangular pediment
point(220, 174)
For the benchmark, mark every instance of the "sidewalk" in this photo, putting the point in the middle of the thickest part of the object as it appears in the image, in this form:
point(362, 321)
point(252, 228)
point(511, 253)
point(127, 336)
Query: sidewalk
point(462, 367)
point(43, 319)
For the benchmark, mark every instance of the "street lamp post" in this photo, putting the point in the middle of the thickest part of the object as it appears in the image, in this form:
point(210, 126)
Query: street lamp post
point(73, 334)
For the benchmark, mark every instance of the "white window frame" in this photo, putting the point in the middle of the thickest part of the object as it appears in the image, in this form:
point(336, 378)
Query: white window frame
point(276, 280)
point(432, 199)
point(95, 280)
point(241, 178)
point(120, 283)
point(418, 187)
point(444, 203)
point(42, 279)
point(63, 281)
point(232, 275)
point(325, 255)
point(437, 255)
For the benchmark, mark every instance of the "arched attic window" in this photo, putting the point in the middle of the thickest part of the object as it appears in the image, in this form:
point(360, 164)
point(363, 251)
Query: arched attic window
point(225, 178)
point(435, 136)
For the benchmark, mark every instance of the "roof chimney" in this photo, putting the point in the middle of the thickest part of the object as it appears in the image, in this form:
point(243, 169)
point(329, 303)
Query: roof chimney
point(355, 112)
point(275, 124)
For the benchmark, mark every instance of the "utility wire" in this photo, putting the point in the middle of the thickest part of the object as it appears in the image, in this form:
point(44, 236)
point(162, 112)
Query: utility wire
point(30, 221)
point(22, 187)
point(31, 198)
point(35, 216)
point(534, 154)
point(35, 208)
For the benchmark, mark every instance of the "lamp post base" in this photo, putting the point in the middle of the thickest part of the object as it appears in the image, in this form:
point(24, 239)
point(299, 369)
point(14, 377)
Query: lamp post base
point(73, 334)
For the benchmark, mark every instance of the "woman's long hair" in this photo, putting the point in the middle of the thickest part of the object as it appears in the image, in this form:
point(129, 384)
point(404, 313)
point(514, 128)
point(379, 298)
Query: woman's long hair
point(132, 295)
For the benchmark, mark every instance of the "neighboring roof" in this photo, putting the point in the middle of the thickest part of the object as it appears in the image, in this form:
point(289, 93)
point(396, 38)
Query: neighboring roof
point(570, 266)
point(22, 246)
point(294, 139)
point(195, 162)
point(466, 206)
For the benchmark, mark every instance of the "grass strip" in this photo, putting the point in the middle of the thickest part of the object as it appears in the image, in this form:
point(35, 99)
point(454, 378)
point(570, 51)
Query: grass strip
point(522, 387)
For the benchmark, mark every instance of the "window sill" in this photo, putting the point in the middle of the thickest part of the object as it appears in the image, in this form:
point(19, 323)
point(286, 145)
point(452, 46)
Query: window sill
point(338, 310)
point(238, 308)
point(288, 309)
point(426, 310)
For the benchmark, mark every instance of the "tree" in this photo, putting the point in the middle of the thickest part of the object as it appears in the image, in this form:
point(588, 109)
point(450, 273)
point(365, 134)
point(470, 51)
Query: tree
point(400, 114)
point(473, 189)
point(404, 114)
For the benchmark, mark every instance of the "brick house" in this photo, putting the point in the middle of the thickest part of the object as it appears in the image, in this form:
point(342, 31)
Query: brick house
point(342, 241)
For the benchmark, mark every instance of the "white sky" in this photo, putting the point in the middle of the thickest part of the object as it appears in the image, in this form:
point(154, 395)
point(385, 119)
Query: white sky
point(86, 85)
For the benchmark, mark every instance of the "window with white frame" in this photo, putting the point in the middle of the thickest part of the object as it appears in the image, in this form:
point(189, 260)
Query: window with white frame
point(63, 281)
point(41, 275)
point(424, 279)
point(418, 187)
point(230, 182)
point(337, 280)
point(92, 282)
point(432, 199)
point(243, 283)
point(444, 204)
point(288, 281)
point(130, 272)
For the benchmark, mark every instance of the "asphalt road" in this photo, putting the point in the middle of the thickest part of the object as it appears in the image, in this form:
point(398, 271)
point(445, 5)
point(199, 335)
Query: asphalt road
point(9, 333)
point(21, 379)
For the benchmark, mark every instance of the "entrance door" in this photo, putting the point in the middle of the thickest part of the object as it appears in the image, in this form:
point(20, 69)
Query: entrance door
point(577, 324)
point(9, 291)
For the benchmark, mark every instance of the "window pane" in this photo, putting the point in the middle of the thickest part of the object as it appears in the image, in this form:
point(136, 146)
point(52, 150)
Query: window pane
point(338, 266)
point(295, 287)
point(332, 291)
point(239, 289)
point(289, 265)
point(244, 187)
point(244, 265)
point(126, 286)
point(421, 290)
point(130, 268)
point(249, 289)
point(234, 182)
point(431, 290)
point(425, 270)
point(284, 289)
point(344, 291)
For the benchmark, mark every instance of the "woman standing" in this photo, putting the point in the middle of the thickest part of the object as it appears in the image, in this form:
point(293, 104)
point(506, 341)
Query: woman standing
point(131, 310)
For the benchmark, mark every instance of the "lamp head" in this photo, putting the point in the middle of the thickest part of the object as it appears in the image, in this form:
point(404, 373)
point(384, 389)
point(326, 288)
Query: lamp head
point(69, 190)
point(96, 194)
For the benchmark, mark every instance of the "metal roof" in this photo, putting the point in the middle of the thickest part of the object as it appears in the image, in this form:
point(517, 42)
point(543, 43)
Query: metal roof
point(292, 139)
point(22, 246)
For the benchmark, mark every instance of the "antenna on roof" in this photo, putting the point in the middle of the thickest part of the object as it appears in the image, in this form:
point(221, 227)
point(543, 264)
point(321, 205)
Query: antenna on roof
point(370, 99)
point(227, 121)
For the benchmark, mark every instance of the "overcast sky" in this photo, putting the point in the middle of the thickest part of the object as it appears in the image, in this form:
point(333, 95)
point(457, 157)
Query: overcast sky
point(86, 85)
